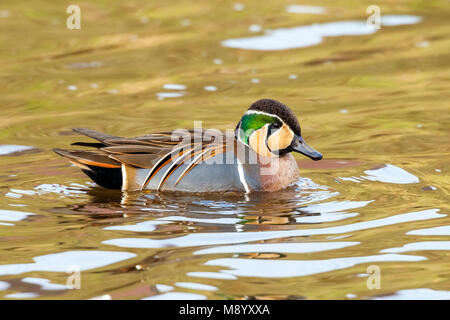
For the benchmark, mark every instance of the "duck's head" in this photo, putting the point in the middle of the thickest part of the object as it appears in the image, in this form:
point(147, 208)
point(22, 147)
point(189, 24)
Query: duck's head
point(271, 129)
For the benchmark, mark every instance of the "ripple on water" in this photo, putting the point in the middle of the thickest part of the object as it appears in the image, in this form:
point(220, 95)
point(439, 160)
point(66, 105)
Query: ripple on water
point(211, 275)
point(330, 211)
point(22, 295)
point(145, 226)
point(420, 246)
point(326, 217)
point(210, 88)
point(10, 215)
point(231, 221)
point(299, 268)
point(4, 285)
point(390, 174)
point(85, 65)
point(148, 226)
point(45, 284)
point(387, 173)
point(436, 231)
point(12, 148)
point(72, 190)
point(254, 28)
point(304, 247)
point(177, 296)
point(62, 190)
point(165, 95)
point(204, 239)
point(305, 9)
point(311, 35)
point(61, 262)
point(196, 286)
point(174, 86)
point(417, 294)
point(163, 287)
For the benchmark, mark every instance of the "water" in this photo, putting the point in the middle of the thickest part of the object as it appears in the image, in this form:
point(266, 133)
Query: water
point(374, 103)
point(311, 35)
point(305, 9)
point(11, 149)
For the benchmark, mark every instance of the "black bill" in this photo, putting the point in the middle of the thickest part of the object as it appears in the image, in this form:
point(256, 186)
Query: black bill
point(300, 146)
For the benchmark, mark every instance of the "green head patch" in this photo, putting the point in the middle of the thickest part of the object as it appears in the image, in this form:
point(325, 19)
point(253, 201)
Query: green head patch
point(253, 121)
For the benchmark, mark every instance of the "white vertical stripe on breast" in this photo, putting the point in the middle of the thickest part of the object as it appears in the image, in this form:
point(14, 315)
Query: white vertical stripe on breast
point(242, 175)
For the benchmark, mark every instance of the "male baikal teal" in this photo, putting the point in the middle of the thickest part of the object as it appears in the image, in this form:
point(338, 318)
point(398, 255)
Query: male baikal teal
point(256, 156)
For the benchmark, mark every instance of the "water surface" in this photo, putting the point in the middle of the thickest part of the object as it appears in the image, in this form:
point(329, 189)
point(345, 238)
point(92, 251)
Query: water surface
point(374, 102)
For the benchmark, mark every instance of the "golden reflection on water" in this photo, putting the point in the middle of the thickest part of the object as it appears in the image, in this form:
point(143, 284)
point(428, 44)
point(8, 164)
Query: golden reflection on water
point(364, 101)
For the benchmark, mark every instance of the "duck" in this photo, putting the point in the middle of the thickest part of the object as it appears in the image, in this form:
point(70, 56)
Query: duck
point(254, 157)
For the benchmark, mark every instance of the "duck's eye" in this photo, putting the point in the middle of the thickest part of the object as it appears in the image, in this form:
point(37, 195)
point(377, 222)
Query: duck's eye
point(276, 125)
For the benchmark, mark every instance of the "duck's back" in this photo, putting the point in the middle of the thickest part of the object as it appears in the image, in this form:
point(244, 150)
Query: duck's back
point(161, 162)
